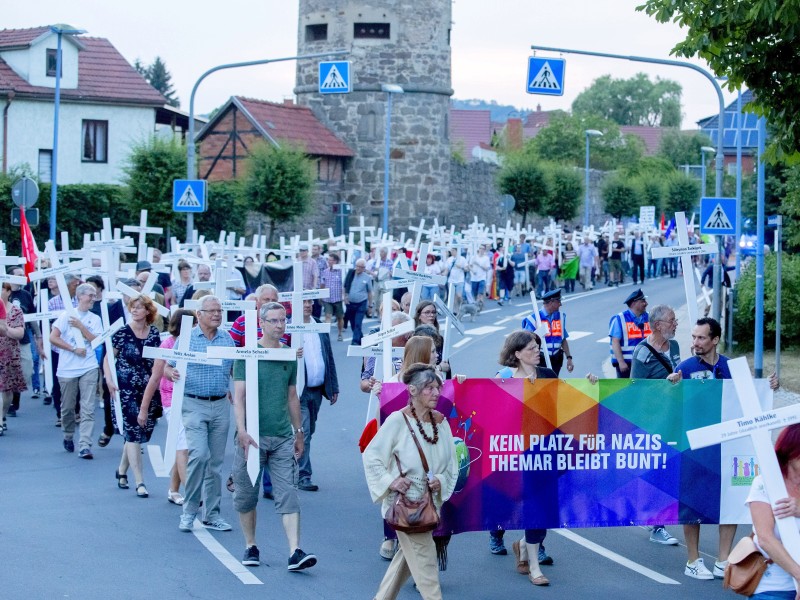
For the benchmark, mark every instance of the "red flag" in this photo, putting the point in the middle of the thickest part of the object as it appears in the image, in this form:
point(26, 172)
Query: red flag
point(663, 222)
point(28, 245)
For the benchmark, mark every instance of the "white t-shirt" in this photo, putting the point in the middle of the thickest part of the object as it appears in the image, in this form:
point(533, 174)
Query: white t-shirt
point(457, 266)
point(775, 578)
point(479, 266)
point(70, 364)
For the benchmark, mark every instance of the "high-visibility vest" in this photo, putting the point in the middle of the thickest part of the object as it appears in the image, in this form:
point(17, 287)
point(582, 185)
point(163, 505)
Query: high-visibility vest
point(554, 333)
point(632, 334)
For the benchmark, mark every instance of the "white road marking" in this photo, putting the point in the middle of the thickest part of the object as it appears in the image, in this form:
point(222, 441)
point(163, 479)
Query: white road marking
point(223, 556)
point(157, 460)
point(522, 315)
point(463, 342)
point(603, 340)
point(506, 320)
point(576, 335)
point(613, 556)
point(486, 329)
point(483, 312)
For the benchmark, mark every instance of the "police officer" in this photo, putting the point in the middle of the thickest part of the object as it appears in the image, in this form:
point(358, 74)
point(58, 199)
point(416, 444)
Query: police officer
point(626, 330)
point(556, 333)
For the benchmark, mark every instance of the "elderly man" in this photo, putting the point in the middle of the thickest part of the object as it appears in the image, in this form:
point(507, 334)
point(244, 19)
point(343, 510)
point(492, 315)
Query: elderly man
point(264, 293)
point(626, 330)
point(321, 380)
point(78, 368)
point(588, 260)
point(357, 298)
point(206, 418)
point(203, 274)
point(556, 333)
point(280, 445)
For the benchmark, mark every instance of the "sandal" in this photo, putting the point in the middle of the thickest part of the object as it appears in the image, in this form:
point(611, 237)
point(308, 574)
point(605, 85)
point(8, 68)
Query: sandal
point(523, 566)
point(122, 480)
point(174, 498)
point(141, 494)
point(539, 580)
point(104, 440)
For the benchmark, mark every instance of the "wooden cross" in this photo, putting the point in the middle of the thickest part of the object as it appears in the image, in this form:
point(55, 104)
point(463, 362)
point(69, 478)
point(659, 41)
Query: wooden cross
point(105, 338)
point(450, 320)
point(541, 328)
point(182, 356)
point(252, 352)
point(44, 316)
point(147, 290)
point(685, 251)
point(142, 229)
point(418, 277)
point(756, 424)
point(362, 229)
point(220, 285)
point(296, 297)
point(11, 261)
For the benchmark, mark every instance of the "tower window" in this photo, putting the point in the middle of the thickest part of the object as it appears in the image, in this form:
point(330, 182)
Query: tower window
point(371, 31)
point(317, 32)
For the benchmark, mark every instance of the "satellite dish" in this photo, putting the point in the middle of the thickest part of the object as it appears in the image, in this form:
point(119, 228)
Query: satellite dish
point(507, 202)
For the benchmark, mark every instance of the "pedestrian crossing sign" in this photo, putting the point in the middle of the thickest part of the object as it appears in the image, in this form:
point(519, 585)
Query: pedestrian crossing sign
point(546, 76)
point(189, 195)
point(334, 77)
point(718, 216)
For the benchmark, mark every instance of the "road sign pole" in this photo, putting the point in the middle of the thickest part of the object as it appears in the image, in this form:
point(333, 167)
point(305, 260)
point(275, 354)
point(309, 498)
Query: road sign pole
point(758, 358)
point(191, 167)
point(778, 289)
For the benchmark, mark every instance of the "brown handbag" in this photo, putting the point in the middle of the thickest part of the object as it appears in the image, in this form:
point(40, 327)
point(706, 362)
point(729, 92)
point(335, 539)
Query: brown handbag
point(413, 516)
point(746, 567)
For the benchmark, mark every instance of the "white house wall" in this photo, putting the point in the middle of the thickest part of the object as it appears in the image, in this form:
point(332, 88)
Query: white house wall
point(30, 129)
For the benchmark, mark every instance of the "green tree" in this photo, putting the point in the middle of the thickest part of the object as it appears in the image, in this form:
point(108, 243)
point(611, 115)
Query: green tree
point(791, 208)
point(565, 192)
point(634, 101)
point(755, 45)
point(564, 141)
point(278, 183)
point(620, 197)
point(227, 209)
point(651, 191)
point(683, 194)
point(159, 77)
point(151, 168)
point(523, 177)
point(683, 148)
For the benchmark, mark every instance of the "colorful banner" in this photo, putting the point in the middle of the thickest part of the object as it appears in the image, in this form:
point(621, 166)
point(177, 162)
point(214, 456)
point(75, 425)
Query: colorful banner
point(566, 453)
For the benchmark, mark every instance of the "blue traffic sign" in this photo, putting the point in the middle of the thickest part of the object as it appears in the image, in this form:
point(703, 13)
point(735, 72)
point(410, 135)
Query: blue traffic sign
point(334, 77)
point(718, 216)
point(189, 195)
point(546, 76)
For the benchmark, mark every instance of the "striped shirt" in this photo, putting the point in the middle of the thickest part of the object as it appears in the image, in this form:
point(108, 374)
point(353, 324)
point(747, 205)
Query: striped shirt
point(332, 280)
point(208, 380)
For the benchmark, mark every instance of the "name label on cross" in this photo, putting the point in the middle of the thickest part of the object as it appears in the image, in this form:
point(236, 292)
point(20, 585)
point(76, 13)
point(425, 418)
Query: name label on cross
point(187, 355)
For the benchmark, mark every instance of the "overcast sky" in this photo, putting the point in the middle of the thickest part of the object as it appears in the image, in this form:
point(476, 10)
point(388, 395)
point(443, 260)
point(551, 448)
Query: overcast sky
point(490, 41)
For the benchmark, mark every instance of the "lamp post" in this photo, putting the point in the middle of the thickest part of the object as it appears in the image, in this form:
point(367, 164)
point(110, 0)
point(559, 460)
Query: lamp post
point(589, 133)
point(191, 167)
point(391, 89)
point(60, 31)
point(703, 150)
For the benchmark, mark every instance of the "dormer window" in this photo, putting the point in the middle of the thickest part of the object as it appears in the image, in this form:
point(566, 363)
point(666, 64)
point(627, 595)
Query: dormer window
point(51, 62)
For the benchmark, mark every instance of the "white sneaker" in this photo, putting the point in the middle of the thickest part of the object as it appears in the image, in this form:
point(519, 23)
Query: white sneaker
point(661, 536)
point(697, 570)
point(719, 569)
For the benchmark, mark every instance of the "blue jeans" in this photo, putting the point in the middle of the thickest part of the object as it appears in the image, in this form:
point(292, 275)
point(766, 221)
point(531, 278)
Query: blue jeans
point(355, 314)
point(206, 423)
point(776, 595)
point(310, 403)
point(543, 277)
point(428, 292)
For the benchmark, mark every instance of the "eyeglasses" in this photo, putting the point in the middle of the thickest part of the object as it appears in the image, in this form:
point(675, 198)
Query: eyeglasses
point(428, 312)
point(216, 311)
point(275, 321)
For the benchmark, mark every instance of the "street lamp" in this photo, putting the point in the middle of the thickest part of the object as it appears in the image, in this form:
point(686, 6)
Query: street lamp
point(391, 89)
point(589, 133)
point(703, 150)
point(60, 30)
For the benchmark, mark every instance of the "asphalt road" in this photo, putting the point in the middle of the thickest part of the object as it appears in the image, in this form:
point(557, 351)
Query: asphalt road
point(68, 532)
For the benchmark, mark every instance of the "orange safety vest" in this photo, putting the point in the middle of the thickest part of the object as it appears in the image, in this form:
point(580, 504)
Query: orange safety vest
point(632, 334)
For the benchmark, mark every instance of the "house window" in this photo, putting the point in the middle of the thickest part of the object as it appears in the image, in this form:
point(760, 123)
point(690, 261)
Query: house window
point(51, 62)
point(45, 171)
point(371, 31)
point(368, 126)
point(329, 170)
point(94, 141)
point(317, 33)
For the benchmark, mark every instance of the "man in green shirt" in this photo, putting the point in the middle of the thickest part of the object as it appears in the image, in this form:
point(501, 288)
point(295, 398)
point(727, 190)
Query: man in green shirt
point(280, 442)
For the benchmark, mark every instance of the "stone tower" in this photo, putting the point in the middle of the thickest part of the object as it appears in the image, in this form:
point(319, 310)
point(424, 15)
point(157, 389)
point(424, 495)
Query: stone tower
point(390, 42)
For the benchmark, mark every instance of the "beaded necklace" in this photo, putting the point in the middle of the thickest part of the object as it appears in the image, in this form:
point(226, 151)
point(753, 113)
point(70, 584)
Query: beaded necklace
point(422, 430)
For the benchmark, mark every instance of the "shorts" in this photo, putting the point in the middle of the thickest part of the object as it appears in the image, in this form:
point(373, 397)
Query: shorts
point(615, 266)
point(334, 308)
point(181, 432)
point(519, 276)
point(478, 287)
point(278, 454)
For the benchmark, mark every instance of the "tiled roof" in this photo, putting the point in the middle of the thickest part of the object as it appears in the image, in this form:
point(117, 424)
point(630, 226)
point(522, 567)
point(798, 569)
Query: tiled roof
point(651, 136)
point(103, 76)
point(294, 124)
point(19, 38)
point(470, 127)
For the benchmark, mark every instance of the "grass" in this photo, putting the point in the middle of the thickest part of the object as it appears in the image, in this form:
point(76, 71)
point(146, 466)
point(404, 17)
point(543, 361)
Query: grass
point(790, 367)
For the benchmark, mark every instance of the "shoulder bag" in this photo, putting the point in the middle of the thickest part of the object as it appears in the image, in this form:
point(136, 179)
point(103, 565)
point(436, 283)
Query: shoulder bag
point(746, 567)
point(413, 516)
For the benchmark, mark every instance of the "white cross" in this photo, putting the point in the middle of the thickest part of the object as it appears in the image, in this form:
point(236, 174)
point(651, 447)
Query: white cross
point(450, 320)
point(182, 356)
point(142, 229)
point(541, 328)
point(220, 285)
point(105, 338)
point(756, 424)
point(362, 229)
point(252, 352)
point(44, 316)
point(685, 251)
